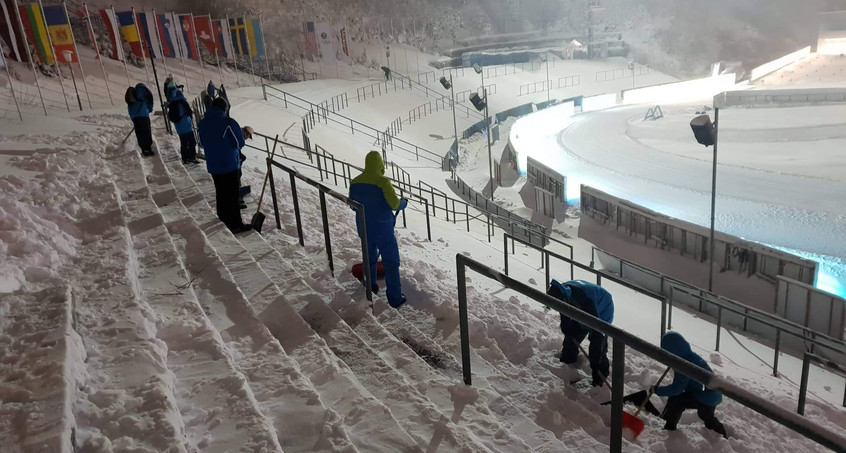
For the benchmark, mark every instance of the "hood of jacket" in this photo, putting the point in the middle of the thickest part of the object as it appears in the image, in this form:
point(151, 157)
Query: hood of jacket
point(373, 163)
point(177, 95)
point(141, 91)
point(564, 290)
point(674, 342)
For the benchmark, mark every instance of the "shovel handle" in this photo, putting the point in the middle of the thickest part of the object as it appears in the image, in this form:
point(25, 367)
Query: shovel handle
point(267, 175)
point(651, 391)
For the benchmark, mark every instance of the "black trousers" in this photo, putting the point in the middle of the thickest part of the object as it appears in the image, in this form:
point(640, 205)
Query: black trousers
point(676, 405)
point(574, 334)
point(188, 146)
point(143, 133)
point(226, 187)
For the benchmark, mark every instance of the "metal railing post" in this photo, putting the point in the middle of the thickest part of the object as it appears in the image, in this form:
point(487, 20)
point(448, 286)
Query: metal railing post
point(505, 252)
point(670, 310)
point(365, 252)
point(428, 225)
point(326, 236)
point(719, 325)
point(273, 193)
point(297, 209)
point(618, 366)
point(803, 384)
point(663, 316)
point(777, 347)
point(546, 257)
point(462, 322)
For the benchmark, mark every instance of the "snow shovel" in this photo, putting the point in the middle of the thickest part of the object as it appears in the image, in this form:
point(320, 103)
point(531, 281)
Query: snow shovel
point(127, 135)
point(258, 217)
point(631, 421)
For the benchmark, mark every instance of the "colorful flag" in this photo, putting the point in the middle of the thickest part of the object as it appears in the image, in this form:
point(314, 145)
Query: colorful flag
point(203, 28)
point(222, 39)
point(36, 32)
point(167, 34)
point(147, 29)
point(60, 32)
point(238, 30)
point(111, 22)
point(310, 39)
point(188, 43)
point(130, 32)
point(344, 44)
point(254, 36)
point(12, 35)
point(324, 39)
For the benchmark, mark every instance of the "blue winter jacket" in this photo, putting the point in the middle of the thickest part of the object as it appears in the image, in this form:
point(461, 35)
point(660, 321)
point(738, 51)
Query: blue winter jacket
point(587, 297)
point(185, 125)
point(373, 190)
point(211, 90)
point(222, 140)
point(143, 105)
point(674, 342)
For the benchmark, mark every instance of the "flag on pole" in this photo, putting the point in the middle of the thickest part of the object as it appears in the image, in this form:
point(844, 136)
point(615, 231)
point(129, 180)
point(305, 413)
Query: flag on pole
point(324, 39)
point(167, 35)
point(344, 43)
point(203, 27)
point(187, 41)
point(11, 35)
point(130, 32)
point(238, 30)
point(254, 36)
point(111, 22)
point(310, 39)
point(59, 28)
point(36, 32)
point(222, 39)
point(147, 28)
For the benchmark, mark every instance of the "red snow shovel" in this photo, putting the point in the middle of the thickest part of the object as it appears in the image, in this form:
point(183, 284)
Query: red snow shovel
point(358, 270)
point(258, 217)
point(631, 421)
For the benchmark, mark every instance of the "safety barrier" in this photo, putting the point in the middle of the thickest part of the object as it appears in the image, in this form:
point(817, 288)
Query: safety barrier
point(621, 73)
point(810, 307)
point(569, 81)
point(535, 87)
point(620, 341)
point(726, 311)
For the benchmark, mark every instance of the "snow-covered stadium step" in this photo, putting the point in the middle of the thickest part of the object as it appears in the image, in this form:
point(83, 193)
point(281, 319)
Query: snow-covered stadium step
point(125, 397)
point(42, 364)
point(338, 385)
point(217, 411)
point(223, 273)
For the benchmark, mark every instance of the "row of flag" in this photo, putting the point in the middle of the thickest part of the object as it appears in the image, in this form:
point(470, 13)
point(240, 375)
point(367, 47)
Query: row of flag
point(326, 41)
point(148, 34)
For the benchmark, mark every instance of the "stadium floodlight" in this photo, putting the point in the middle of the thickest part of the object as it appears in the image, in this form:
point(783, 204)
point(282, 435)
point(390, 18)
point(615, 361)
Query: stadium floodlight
point(448, 85)
point(478, 102)
point(477, 68)
point(707, 134)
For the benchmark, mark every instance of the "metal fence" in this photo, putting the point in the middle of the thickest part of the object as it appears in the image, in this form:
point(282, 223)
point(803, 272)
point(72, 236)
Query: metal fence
point(569, 81)
point(620, 341)
point(808, 306)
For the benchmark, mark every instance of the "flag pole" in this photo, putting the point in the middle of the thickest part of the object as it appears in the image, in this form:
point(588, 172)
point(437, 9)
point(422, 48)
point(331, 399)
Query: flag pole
point(143, 58)
point(173, 22)
point(53, 52)
point(78, 57)
point(29, 57)
point(97, 49)
point(11, 88)
point(159, 36)
point(232, 51)
point(264, 48)
point(214, 40)
point(197, 48)
point(118, 42)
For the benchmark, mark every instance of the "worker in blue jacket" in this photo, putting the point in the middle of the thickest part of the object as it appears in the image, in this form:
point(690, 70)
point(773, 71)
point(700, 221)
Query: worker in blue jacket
point(594, 300)
point(179, 111)
point(684, 393)
point(222, 139)
point(139, 101)
point(373, 190)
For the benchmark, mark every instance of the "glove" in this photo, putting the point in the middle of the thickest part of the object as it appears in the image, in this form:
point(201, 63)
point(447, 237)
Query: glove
point(403, 204)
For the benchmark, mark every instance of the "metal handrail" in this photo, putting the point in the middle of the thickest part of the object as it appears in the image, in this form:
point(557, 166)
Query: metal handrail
point(621, 339)
point(748, 313)
point(436, 94)
point(356, 206)
point(324, 113)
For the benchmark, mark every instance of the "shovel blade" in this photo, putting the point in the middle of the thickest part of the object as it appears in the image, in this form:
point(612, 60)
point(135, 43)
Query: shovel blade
point(632, 423)
point(257, 221)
